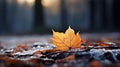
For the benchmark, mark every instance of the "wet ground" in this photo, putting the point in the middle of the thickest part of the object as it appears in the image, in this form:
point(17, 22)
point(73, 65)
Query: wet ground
point(11, 41)
point(93, 56)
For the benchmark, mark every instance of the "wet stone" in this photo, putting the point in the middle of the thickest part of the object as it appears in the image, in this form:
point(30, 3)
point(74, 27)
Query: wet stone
point(42, 46)
point(118, 57)
point(109, 56)
point(79, 56)
point(53, 55)
point(111, 44)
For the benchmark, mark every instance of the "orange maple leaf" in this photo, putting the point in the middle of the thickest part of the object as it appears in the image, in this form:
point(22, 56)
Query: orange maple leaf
point(67, 40)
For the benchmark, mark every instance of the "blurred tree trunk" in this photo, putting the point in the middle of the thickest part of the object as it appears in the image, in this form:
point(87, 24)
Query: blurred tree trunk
point(92, 5)
point(3, 16)
point(109, 14)
point(63, 15)
point(39, 19)
point(99, 14)
point(117, 14)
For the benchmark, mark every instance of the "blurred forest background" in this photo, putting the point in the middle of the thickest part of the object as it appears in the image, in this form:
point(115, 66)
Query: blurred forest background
point(41, 16)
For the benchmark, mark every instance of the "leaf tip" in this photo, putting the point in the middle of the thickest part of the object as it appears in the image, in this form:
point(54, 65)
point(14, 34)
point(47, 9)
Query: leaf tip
point(69, 27)
point(53, 31)
point(78, 33)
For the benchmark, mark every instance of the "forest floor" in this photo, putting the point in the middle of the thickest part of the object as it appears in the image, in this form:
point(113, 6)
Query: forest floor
point(94, 55)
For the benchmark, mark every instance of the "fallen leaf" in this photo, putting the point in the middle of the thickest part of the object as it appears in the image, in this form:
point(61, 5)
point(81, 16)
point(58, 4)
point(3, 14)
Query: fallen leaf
point(104, 45)
point(21, 47)
point(95, 63)
point(67, 40)
point(37, 52)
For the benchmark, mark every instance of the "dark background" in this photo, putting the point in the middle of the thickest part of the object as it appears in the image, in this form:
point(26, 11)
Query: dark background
point(41, 16)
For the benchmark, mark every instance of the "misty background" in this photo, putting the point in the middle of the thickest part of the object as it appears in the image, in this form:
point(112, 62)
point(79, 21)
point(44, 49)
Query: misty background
point(41, 16)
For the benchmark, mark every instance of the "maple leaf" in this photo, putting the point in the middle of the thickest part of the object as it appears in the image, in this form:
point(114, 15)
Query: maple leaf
point(67, 40)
